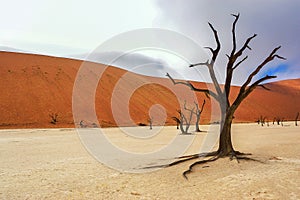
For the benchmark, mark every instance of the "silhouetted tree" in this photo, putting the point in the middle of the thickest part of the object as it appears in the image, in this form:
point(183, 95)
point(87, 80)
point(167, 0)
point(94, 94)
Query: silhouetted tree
point(197, 113)
point(258, 121)
point(263, 121)
point(266, 121)
point(150, 120)
point(221, 93)
point(184, 122)
point(53, 117)
point(282, 120)
point(177, 120)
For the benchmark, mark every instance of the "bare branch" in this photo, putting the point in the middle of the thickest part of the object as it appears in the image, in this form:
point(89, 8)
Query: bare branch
point(201, 64)
point(236, 15)
point(231, 59)
point(259, 67)
point(211, 49)
point(191, 110)
point(196, 104)
point(233, 34)
point(280, 57)
point(257, 83)
point(236, 65)
point(176, 119)
point(264, 87)
point(210, 64)
point(246, 45)
point(215, 51)
point(245, 92)
point(191, 86)
point(202, 106)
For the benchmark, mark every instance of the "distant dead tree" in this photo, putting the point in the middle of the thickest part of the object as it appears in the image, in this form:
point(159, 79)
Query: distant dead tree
point(221, 93)
point(262, 121)
point(296, 119)
point(184, 122)
point(82, 124)
point(177, 120)
point(197, 113)
point(258, 121)
point(53, 117)
point(150, 120)
point(278, 120)
point(282, 120)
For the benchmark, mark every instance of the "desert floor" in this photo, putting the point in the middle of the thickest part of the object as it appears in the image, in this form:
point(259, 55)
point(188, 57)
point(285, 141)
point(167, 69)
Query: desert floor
point(54, 164)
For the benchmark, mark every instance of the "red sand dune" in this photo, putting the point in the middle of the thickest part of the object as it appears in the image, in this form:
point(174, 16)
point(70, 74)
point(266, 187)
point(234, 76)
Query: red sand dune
point(35, 86)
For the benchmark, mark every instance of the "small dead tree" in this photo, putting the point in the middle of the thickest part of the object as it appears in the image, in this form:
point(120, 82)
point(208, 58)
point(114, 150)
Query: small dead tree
point(150, 120)
point(263, 121)
point(53, 117)
point(258, 121)
point(177, 120)
point(82, 124)
point(197, 113)
point(282, 120)
point(296, 119)
point(184, 122)
point(221, 93)
point(278, 120)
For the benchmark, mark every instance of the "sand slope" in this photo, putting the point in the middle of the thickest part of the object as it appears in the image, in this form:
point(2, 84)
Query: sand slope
point(34, 86)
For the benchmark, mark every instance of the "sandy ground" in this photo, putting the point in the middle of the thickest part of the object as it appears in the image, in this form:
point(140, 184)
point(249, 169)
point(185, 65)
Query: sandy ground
point(53, 164)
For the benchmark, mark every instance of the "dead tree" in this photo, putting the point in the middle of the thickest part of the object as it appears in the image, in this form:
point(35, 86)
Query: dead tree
point(221, 93)
point(83, 124)
point(297, 116)
point(282, 120)
point(184, 122)
point(197, 113)
point(150, 120)
point(53, 118)
point(177, 121)
point(263, 121)
point(258, 121)
point(278, 120)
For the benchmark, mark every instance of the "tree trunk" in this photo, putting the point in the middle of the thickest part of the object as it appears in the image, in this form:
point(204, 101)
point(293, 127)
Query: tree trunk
point(225, 143)
point(197, 123)
point(181, 128)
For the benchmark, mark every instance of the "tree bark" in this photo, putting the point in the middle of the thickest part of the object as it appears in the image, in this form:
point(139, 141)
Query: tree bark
point(197, 123)
point(225, 142)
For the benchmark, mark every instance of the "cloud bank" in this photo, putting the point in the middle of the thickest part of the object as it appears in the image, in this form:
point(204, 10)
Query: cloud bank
point(275, 22)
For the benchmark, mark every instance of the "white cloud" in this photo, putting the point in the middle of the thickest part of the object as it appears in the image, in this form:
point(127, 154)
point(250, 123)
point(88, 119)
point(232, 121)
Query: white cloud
point(76, 24)
point(276, 22)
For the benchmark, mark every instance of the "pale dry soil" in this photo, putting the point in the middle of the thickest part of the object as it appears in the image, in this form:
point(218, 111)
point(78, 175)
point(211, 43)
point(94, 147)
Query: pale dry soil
point(53, 164)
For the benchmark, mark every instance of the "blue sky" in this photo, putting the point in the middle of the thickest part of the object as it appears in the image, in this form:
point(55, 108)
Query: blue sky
point(68, 27)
